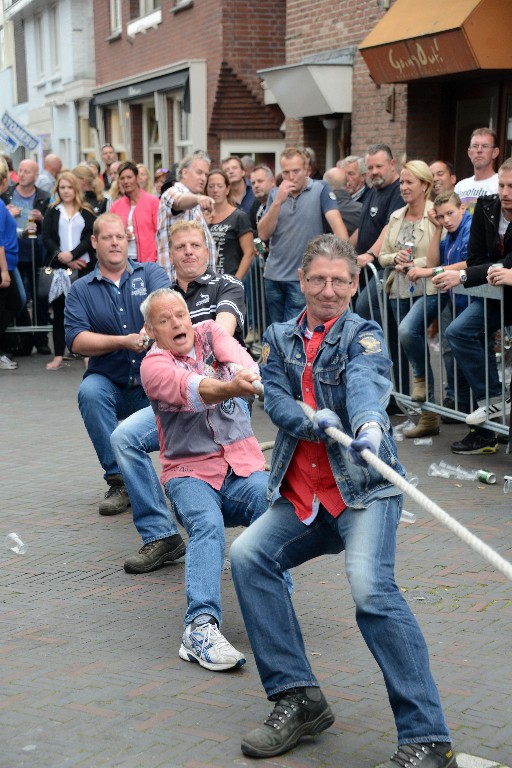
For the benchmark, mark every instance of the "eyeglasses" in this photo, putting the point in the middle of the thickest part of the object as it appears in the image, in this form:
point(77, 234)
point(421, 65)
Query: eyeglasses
point(481, 146)
point(337, 283)
point(161, 170)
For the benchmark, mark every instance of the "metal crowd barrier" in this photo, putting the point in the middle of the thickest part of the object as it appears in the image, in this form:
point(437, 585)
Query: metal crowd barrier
point(35, 326)
point(256, 310)
point(381, 303)
point(379, 309)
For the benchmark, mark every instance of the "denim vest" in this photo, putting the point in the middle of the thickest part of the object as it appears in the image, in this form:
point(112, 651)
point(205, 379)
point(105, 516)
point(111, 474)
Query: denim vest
point(351, 377)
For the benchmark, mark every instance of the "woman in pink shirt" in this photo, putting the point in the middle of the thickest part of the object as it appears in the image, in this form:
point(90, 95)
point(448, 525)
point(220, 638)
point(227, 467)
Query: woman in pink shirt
point(139, 212)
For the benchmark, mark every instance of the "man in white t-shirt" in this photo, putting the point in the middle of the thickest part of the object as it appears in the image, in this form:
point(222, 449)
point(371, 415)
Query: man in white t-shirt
point(482, 152)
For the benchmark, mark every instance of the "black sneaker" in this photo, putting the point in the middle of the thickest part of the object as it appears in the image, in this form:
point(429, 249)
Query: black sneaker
point(156, 554)
point(298, 712)
point(116, 498)
point(476, 441)
point(438, 755)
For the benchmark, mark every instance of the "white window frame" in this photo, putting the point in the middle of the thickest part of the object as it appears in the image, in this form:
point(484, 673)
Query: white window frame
point(39, 46)
point(116, 18)
point(252, 147)
point(148, 6)
point(181, 120)
point(53, 20)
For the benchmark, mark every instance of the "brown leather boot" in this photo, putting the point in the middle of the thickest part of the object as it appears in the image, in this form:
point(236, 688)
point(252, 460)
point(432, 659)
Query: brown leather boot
point(427, 425)
point(419, 390)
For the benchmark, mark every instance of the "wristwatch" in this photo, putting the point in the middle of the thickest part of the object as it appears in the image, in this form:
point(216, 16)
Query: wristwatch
point(372, 254)
point(463, 276)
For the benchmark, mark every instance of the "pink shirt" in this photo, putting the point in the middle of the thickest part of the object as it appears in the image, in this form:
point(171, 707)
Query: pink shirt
point(202, 447)
point(145, 222)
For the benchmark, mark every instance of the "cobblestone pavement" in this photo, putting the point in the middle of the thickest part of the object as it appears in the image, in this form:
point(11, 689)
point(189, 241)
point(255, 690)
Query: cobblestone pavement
point(89, 668)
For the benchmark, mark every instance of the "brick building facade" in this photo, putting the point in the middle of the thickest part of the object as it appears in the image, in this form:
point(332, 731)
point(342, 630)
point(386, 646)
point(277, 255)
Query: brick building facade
point(183, 76)
point(427, 112)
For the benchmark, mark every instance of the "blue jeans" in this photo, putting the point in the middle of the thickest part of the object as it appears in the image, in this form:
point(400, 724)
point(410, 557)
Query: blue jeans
point(411, 332)
point(132, 442)
point(102, 404)
point(204, 512)
point(284, 300)
point(470, 346)
point(277, 541)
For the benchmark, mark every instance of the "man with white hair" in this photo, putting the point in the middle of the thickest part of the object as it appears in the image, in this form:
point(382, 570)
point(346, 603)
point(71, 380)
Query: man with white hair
point(355, 171)
point(213, 468)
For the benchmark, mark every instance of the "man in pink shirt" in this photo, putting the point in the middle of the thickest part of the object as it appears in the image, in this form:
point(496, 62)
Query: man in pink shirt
point(213, 468)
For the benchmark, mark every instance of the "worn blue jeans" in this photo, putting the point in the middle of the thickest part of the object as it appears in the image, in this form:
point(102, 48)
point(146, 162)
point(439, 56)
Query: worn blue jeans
point(411, 332)
point(132, 442)
point(277, 541)
point(204, 512)
point(284, 300)
point(470, 345)
point(102, 404)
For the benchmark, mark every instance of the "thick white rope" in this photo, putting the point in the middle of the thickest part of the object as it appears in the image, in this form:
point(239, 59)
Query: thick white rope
point(385, 470)
point(435, 510)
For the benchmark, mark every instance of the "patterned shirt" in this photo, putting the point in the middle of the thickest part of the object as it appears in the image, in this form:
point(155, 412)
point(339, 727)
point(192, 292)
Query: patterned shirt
point(166, 218)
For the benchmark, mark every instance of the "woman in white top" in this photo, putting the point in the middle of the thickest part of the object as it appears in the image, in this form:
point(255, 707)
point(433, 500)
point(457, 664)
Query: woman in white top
point(67, 229)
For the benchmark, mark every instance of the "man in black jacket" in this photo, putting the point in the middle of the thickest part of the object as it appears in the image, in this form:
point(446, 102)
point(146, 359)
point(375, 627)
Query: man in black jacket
point(490, 242)
point(27, 204)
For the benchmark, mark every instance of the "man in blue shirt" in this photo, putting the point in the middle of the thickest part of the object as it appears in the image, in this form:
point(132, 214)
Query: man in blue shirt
point(103, 322)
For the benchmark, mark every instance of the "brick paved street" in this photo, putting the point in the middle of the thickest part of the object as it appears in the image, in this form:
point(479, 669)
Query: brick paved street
point(89, 669)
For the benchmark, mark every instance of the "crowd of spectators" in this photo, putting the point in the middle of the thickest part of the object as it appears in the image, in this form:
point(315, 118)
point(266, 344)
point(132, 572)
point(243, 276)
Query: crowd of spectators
point(162, 283)
point(393, 215)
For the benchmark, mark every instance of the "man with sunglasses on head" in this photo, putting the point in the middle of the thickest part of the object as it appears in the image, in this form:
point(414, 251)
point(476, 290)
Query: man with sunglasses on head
point(325, 500)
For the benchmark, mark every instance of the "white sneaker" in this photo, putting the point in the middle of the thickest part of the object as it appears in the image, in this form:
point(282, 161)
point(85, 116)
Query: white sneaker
point(494, 411)
point(205, 645)
point(6, 364)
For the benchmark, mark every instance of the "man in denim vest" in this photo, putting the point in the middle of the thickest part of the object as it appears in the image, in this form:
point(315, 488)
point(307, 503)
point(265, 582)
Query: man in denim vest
point(325, 500)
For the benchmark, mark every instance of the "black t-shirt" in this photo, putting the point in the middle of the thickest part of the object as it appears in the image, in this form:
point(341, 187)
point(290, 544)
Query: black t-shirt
point(227, 235)
point(378, 205)
point(211, 294)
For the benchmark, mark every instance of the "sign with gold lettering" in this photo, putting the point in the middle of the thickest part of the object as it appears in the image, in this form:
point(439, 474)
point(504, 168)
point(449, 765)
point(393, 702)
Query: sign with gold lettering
point(428, 56)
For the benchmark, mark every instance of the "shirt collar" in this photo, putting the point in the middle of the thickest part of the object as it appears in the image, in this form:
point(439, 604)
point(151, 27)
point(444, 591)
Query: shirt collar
point(324, 329)
point(129, 268)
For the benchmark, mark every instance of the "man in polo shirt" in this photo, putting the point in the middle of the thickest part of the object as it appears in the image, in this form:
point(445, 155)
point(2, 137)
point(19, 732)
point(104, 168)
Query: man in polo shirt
point(103, 321)
point(185, 201)
point(208, 297)
point(326, 500)
point(295, 213)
